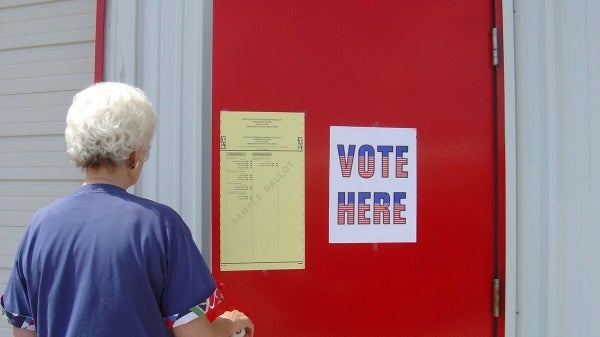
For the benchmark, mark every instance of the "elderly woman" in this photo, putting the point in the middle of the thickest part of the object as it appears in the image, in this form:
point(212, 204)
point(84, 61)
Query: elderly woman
point(102, 262)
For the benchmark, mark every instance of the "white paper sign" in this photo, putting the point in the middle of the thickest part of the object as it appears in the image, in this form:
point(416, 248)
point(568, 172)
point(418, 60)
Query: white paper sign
point(372, 184)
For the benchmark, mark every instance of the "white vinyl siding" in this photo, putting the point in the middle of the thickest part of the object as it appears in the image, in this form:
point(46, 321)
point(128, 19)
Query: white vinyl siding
point(46, 56)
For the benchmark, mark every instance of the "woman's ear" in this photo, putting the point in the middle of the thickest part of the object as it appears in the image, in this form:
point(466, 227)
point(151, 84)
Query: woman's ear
point(134, 159)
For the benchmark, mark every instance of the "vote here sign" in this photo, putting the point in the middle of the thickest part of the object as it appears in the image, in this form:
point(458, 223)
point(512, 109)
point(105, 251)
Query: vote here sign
point(372, 184)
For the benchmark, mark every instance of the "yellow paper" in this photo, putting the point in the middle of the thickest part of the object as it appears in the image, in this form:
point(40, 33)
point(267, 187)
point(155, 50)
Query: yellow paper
point(262, 190)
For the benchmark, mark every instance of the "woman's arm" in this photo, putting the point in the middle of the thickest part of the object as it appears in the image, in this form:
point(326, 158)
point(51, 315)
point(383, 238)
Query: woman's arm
point(223, 326)
point(17, 332)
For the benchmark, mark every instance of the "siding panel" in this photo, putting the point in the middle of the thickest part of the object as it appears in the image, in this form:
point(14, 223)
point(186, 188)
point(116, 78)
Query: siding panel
point(57, 22)
point(9, 240)
point(50, 188)
point(63, 82)
point(15, 3)
point(46, 56)
point(44, 69)
point(5, 329)
point(21, 10)
point(48, 53)
point(34, 108)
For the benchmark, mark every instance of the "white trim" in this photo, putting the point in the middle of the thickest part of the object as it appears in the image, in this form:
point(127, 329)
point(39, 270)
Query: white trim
point(164, 48)
point(510, 146)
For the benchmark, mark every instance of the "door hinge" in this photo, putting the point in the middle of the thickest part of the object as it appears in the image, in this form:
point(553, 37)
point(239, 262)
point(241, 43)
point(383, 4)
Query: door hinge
point(496, 298)
point(495, 58)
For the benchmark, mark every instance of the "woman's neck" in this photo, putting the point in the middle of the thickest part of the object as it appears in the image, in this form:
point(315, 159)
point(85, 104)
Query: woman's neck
point(117, 175)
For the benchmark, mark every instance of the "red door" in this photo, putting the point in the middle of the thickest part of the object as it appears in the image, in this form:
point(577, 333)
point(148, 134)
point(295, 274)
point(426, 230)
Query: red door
point(399, 64)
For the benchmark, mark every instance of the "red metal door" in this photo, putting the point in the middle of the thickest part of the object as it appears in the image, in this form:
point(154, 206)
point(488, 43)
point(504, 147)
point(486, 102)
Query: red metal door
point(405, 64)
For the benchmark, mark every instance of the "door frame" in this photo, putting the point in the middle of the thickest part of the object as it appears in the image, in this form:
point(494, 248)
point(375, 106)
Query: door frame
point(510, 168)
point(509, 100)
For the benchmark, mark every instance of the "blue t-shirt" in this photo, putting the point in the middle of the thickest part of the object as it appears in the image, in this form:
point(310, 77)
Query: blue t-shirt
point(103, 262)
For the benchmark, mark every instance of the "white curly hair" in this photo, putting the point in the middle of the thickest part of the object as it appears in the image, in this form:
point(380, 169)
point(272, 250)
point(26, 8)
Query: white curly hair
point(106, 123)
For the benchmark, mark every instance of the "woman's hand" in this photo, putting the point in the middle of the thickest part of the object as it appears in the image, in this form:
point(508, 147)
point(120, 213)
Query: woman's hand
point(231, 322)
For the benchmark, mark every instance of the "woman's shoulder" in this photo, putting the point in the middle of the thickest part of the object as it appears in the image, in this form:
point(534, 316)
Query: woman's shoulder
point(160, 209)
point(164, 213)
point(100, 198)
